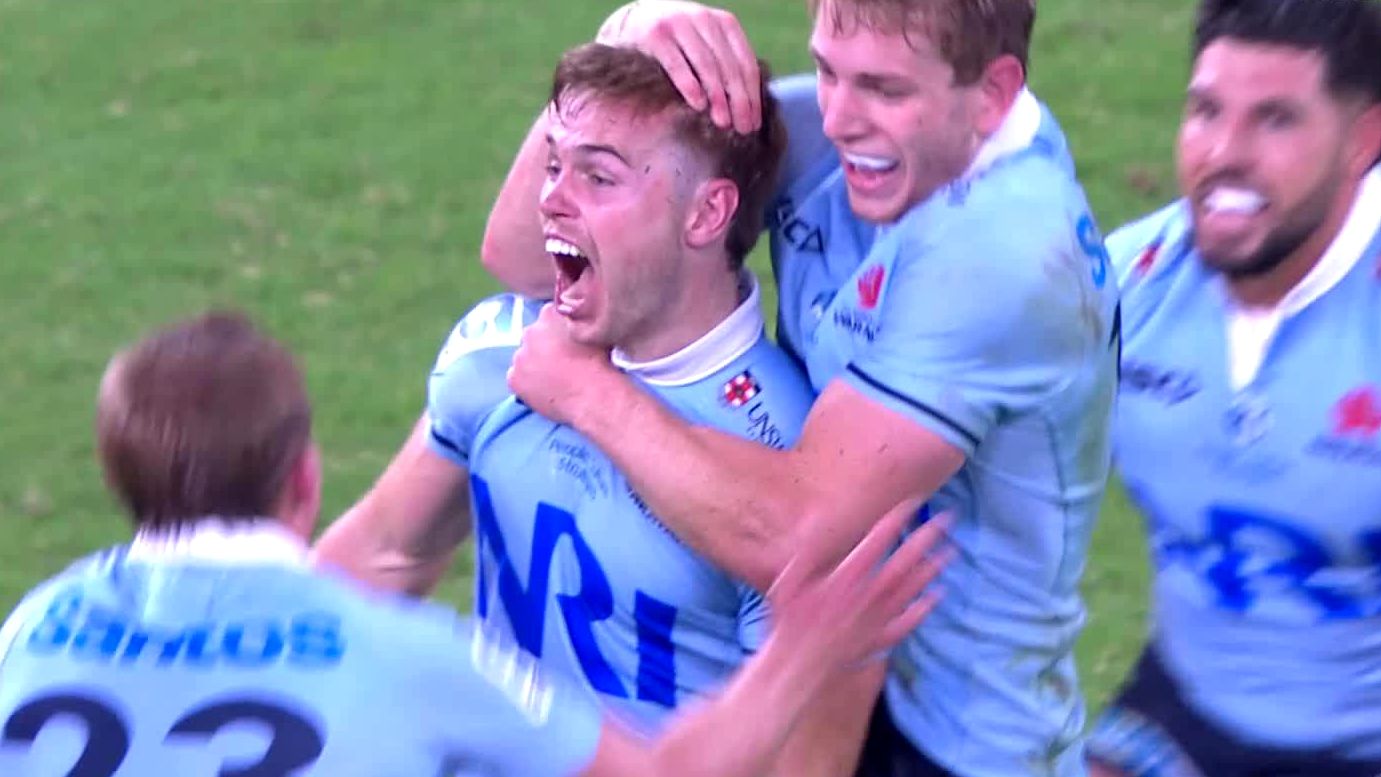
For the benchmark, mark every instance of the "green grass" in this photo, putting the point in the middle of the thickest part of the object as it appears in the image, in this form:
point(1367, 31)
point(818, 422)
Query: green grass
point(328, 165)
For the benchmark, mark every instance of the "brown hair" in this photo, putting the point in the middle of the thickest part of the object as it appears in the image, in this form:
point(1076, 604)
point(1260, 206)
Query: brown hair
point(969, 34)
point(205, 417)
point(631, 78)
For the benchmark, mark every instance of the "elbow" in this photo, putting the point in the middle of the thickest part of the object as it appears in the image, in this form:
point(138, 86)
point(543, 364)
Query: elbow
point(777, 534)
point(514, 271)
point(492, 254)
point(810, 532)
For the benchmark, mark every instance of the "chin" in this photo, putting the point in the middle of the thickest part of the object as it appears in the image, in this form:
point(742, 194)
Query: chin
point(875, 211)
point(1228, 262)
point(591, 334)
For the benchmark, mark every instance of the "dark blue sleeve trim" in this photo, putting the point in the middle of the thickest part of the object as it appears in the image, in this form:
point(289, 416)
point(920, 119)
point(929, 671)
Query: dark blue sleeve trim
point(917, 404)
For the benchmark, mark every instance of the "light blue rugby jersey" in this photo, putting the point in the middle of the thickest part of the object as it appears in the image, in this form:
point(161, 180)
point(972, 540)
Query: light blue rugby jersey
point(169, 658)
point(570, 563)
point(1263, 504)
point(986, 314)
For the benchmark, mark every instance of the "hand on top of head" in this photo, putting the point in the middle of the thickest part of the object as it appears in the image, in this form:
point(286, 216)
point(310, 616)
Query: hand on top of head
point(704, 50)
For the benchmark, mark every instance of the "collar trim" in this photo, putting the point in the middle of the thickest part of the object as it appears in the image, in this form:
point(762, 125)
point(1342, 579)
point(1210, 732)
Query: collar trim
point(259, 541)
point(716, 349)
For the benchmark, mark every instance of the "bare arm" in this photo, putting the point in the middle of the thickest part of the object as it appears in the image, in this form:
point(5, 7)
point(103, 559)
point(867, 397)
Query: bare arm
point(746, 505)
point(513, 249)
point(829, 738)
point(402, 535)
point(741, 504)
point(820, 638)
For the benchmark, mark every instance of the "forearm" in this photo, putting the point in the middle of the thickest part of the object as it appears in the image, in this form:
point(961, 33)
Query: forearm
point(403, 533)
point(389, 556)
point(740, 732)
point(735, 501)
point(514, 249)
point(829, 737)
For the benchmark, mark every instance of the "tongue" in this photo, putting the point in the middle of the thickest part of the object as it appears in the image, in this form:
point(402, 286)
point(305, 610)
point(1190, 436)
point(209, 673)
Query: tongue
point(571, 295)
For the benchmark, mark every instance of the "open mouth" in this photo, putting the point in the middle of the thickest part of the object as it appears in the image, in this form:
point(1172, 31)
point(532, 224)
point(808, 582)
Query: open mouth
point(572, 265)
point(1235, 201)
point(869, 170)
point(1231, 209)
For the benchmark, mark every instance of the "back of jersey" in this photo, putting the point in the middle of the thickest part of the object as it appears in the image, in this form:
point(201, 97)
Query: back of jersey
point(195, 669)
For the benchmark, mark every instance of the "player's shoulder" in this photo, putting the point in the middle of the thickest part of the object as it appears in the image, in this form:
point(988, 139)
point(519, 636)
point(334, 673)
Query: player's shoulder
point(997, 235)
point(493, 326)
point(428, 648)
point(393, 624)
point(1025, 204)
point(95, 572)
point(1152, 244)
point(809, 155)
point(68, 586)
point(761, 395)
point(470, 376)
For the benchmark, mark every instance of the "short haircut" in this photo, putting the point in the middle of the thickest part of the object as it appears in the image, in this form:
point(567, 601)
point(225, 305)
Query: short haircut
point(1347, 33)
point(206, 417)
point(969, 34)
point(627, 77)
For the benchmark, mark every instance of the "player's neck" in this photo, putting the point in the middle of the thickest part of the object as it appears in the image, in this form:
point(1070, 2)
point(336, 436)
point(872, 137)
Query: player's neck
point(707, 295)
point(1267, 290)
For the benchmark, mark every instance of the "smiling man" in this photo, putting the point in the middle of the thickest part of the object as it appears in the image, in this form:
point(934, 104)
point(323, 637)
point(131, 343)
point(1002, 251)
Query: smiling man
point(943, 283)
point(1257, 297)
point(647, 213)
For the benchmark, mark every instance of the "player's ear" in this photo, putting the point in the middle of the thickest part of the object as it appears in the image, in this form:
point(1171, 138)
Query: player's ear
point(1364, 146)
point(301, 498)
point(997, 91)
point(712, 210)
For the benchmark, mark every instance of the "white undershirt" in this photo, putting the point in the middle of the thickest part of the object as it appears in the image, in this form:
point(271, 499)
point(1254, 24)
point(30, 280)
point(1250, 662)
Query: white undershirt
point(1250, 330)
point(1018, 130)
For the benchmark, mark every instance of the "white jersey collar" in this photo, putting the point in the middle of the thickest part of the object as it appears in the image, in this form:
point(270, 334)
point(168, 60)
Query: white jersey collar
point(729, 339)
point(1250, 330)
point(213, 539)
point(1018, 131)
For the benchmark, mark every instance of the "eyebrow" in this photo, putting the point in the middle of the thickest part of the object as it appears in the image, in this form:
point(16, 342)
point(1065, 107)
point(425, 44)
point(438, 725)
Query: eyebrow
point(870, 78)
point(595, 148)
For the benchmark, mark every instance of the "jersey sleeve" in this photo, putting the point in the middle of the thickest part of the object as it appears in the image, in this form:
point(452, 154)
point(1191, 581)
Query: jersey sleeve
point(495, 709)
point(470, 377)
point(807, 148)
point(979, 323)
point(754, 618)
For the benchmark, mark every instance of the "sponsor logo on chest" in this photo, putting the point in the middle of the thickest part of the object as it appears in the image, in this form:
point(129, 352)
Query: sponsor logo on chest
point(1354, 432)
point(581, 464)
point(1168, 385)
point(861, 320)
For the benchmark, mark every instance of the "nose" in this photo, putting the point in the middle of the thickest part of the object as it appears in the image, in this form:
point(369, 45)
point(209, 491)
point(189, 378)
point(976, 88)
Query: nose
point(1228, 146)
point(555, 201)
point(844, 119)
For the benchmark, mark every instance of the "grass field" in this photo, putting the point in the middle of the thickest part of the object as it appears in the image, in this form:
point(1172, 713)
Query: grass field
point(328, 164)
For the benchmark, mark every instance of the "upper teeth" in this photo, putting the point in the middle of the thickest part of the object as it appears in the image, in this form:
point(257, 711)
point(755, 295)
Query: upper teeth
point(875, 163)
point(559, 246)
point(1234, 200)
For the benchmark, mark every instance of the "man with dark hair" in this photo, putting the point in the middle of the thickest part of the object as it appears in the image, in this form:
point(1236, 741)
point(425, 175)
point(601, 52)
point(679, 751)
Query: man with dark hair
point(1249, 423)
point(647, 212)
point(209, 646)
point(944, 284)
